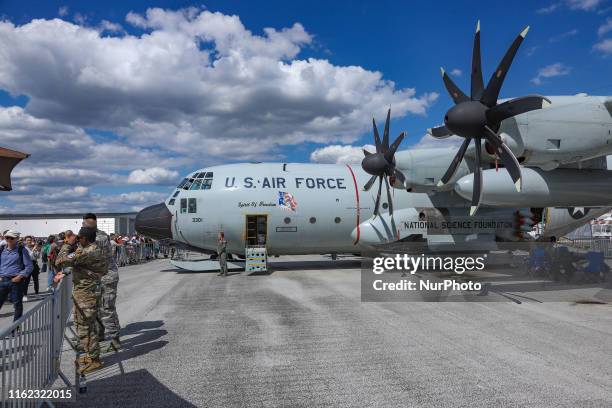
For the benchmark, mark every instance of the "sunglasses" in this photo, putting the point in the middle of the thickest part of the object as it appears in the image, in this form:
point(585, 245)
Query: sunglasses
point(11, 238)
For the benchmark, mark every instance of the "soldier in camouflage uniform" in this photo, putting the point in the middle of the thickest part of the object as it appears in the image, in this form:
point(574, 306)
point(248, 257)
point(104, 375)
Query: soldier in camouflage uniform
point(222, 253)
point(88, 266)
point(107, 311)
point(69, 245)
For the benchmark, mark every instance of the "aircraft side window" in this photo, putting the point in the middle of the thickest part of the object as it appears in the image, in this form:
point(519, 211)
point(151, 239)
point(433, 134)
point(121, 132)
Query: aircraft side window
point(183, 205)
point(176, 193)
point(192, 206)
point(206, 184)
point(196, 185)
point(171, 202)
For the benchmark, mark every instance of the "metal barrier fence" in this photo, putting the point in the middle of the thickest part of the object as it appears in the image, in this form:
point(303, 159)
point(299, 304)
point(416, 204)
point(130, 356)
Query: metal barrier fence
point(590, 244)
point(130, 254)
point(32, 347)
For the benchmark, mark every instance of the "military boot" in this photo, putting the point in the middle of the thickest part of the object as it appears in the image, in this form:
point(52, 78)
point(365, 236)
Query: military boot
point(93, 365)
point(83, 360)
point(114, 344)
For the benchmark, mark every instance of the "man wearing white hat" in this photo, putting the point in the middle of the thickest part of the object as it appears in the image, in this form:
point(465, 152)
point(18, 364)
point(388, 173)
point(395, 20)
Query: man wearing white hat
point(15, 266)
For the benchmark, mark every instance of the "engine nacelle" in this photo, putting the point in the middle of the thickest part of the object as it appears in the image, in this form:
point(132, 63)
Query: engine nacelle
point(540, 189)
point(423, 168)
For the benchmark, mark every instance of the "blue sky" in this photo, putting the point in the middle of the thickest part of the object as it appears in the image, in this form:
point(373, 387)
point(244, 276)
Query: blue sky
point(111, 109)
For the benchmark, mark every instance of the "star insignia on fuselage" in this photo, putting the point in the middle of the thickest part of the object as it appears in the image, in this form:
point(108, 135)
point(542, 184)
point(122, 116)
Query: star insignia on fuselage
point(577, 212)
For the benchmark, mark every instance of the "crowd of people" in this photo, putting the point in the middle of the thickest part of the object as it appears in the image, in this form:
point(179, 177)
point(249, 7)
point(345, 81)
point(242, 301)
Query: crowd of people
point(90, 256)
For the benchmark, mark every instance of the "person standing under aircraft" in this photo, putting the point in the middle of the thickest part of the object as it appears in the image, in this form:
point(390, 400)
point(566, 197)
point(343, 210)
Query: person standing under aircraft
point(222, 253)
point(15, 266)
point(108, 309)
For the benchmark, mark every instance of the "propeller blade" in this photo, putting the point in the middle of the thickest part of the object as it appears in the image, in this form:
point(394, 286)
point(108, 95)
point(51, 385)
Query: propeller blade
point(515, 107)
point(369, 184)
point(391, 152)
point(378, 197)
point(385, 141)
point(439, 132)
point(491, 93)
point(453, 90)
point(477, 83)
point(510, 162)
point(389, 199)
point(477, 192)
point(454, 164)
point(376, 136)
point(366, 153)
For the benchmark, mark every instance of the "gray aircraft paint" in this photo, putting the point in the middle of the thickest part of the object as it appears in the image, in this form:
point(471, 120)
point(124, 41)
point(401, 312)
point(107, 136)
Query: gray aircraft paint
point(569, 133)
point(322, 191)
point(554, 188)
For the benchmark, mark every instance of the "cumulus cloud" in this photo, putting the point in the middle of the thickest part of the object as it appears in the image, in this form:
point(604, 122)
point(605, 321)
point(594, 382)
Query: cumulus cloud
point(550, 71)
point(340, 154)
point(110, 27)
point(456, 72)
point(563, 36)
point(194, 81)
point(604, 28)
point(153, 175)
point(55, 145)
point(604, 46)
point(79, 199)
point(191, 86)
point(584, 5)
point(27, 175)
point(62, 157)
point(429, 142)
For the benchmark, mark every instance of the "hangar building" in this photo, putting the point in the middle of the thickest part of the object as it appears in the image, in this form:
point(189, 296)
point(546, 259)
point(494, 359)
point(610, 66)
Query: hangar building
point(43, 225)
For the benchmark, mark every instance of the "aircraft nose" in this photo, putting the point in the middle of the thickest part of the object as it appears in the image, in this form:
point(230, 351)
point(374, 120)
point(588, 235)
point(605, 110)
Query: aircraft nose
point(154, 221)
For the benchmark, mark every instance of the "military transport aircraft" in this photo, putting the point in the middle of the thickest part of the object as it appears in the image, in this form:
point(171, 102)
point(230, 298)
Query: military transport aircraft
point(534, 159)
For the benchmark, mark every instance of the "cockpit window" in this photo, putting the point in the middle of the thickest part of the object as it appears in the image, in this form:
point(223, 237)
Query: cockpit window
point(176, 193)
point(183, 205)
point(196, 185)
point(187, 184)
point(182, 183)
point(198, 181)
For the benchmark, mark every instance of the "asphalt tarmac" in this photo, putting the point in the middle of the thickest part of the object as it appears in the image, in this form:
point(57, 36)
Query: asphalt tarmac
point(301, 336)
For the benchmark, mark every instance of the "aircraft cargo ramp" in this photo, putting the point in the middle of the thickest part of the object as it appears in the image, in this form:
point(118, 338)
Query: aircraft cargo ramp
point(300, 336)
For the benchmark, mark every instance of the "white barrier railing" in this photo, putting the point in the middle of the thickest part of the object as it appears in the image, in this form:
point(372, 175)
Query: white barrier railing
point(31, 347)
point(591, 244)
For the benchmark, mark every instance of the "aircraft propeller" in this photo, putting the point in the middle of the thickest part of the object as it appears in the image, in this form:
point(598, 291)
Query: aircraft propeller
point(479, 116)
point(381, 165)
